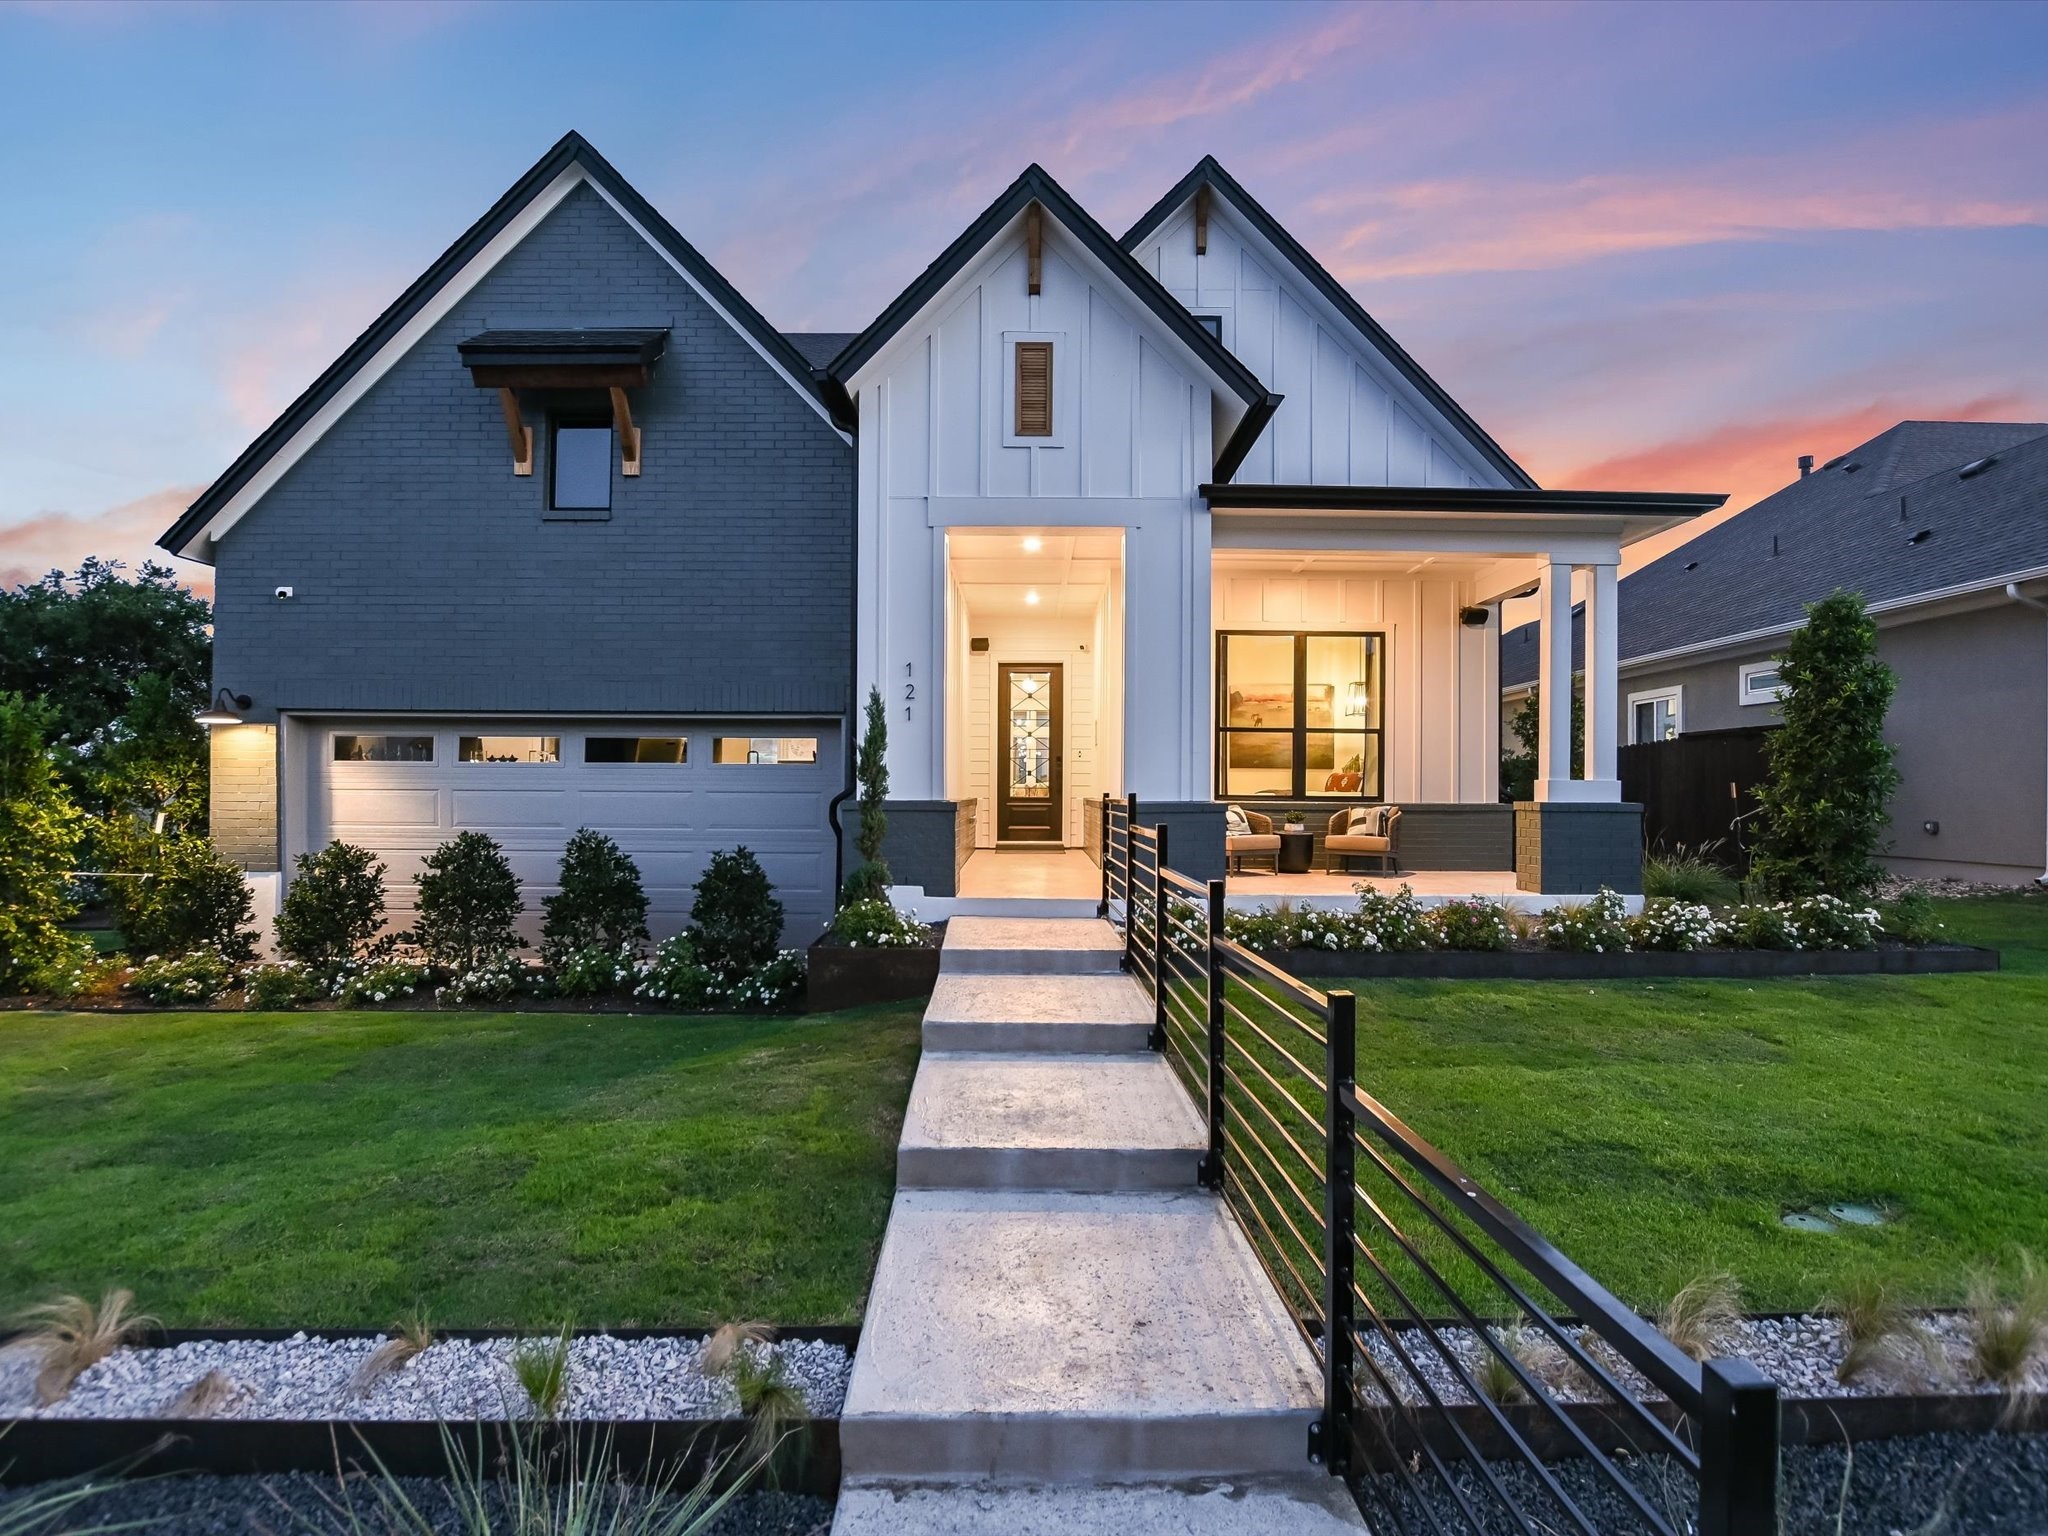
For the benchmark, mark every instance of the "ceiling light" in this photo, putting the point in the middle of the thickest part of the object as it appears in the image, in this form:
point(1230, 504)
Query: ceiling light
point(226, 709)
point(1031, 599)
point(1033, 544)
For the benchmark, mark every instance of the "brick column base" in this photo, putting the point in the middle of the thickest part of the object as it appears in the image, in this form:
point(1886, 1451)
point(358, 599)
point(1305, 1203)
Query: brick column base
point(1566, 848)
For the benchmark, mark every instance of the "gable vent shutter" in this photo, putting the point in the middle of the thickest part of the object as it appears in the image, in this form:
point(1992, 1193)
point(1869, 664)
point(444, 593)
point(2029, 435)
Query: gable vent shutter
point(1034, 389)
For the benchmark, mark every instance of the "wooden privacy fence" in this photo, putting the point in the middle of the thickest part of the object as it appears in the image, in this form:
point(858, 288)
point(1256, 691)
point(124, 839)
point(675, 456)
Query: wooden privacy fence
point(1696, 789)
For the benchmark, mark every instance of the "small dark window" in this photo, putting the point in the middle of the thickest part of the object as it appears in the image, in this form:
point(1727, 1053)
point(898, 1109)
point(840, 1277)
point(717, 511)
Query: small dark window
point(383, 749)
point(1213, 324)
point(1034, 389)
point(636, 749)
point(582, 467)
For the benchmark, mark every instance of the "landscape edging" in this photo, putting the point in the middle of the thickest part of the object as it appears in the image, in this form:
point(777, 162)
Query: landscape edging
point(1633, 965)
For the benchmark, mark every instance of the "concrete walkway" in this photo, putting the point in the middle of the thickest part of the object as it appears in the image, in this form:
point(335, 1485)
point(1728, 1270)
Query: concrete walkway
point(1065, 1333)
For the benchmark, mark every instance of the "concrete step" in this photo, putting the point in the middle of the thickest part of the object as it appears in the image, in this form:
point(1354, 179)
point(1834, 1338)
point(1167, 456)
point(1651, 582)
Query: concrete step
point(1022, 906)
point(1030, 946)
point(1101, 1124)
point(1063, 1337)
point(1305, 1505)
point(1037, 1013)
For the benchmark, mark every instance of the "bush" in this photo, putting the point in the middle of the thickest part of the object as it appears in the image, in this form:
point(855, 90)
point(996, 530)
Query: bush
point(876, 924)
point(1596, 927)
point(1397, 919)
point(601, 905)
point(74, 971)
point(468, 902)
point(1267, 928)
point(1678, 926)
point(595, 972)
point(492, 981)
point(1828, 922)
point(736, 920)
point(868, 882)
point(1822, 812)
point(1332, 930)
point(273, 988)
point(1687, 874)
point(774, 986)
point(39, 835)
point(871, 769)
point(1911, 918)
point(376, 981)
point(199, 977)
point(1477, 924)
point(192, 899)
point(1759, 925)
point(677, 978)
point(334, 908)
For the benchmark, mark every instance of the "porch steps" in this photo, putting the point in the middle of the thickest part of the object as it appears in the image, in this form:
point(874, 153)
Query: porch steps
point(1030, 946)
point(1037, 1013)
point(1102, 1355)
point(1023, 906)
point(1100, 1124)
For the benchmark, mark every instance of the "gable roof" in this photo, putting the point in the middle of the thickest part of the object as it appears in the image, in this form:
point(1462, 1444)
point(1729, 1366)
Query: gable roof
point(572, 153)
point(818, 347)
point(1209, 172)
point(1036, 185)
point(1849, 526)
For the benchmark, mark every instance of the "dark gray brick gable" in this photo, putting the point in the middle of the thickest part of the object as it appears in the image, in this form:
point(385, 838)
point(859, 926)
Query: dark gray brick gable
point(428, 577)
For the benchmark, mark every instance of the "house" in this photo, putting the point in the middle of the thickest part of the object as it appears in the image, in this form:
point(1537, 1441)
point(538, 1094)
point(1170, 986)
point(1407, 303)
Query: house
point(573, 536)
point(1942, 526)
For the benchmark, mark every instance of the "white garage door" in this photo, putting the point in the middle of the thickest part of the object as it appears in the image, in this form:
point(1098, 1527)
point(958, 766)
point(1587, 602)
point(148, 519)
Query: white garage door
point(670, 793)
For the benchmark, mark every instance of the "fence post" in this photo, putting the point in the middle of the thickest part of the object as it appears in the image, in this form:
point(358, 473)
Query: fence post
point(1160, 974)
point(1330, 1442)
point(1130, 885)
point(1102, 906)
point(1210, 1174)
point(1739, 1432)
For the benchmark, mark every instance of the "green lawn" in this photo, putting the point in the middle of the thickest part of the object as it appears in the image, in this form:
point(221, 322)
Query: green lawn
point(1658, 1130)
point(338, 1168)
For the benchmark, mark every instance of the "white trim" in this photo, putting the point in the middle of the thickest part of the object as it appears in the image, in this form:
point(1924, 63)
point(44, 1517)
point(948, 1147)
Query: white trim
point(1675, 696)
point(429, 315)
point(1769, 695)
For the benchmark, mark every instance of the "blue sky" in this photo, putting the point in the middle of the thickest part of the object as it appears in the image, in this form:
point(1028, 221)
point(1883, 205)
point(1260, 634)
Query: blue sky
point(1648, 246)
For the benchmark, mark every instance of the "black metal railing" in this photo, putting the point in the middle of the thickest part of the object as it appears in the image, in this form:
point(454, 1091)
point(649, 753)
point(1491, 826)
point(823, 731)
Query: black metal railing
point(1475, 1379)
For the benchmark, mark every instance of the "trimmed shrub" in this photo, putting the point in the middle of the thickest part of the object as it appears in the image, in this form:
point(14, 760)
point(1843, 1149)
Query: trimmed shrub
point(876, 924)
point(334, 908)
point(736, 920)
point(193, 897)
point(1596, 927)
point(198, 977)
point(39, 835)
point(869, 881)
point(870, 878)
point(1477, 924)
point(1675, 926)
point(677, 978)
point(468, 902)
point(274, 988)
point(601, 904)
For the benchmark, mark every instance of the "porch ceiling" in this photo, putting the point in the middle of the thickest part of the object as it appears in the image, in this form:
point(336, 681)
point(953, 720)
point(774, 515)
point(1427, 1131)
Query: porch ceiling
point(1000, 571)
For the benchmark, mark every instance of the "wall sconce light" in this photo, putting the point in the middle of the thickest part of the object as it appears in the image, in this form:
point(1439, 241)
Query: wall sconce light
point(226, 709)
point(1355, 700)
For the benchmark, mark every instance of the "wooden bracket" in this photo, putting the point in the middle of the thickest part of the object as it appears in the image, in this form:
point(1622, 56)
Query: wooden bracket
point(629, 435)
point(516, 429)
point(1034, 241)
point(1201, 221)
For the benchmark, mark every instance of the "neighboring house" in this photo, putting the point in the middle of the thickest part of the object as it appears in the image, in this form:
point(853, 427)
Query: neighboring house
point(572, 536)
point(1942, 526)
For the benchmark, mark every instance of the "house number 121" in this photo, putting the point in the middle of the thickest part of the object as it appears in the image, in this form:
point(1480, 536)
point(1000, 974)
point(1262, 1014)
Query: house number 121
point(909, 690)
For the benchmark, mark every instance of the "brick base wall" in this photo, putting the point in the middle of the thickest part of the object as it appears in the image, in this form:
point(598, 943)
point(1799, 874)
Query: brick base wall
point(243, 796)
point(1563, 848)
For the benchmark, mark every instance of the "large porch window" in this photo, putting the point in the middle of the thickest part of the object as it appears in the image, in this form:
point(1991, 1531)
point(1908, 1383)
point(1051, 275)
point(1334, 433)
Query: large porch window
point(1300, 715)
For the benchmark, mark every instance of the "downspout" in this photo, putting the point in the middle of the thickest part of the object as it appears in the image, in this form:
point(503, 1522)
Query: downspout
point(852, 713)
point(2012, 590)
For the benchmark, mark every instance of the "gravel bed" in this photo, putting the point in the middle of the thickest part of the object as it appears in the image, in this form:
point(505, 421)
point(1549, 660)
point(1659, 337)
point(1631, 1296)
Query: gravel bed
point(301, 1505)
point(308, 1377)
point(1923, 1485)
point(1801, 1354)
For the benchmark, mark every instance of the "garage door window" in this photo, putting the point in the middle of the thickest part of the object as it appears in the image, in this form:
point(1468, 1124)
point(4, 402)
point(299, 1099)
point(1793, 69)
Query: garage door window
point(765, 749)
point(636, 749)
point(383, 749)
point(510, 749)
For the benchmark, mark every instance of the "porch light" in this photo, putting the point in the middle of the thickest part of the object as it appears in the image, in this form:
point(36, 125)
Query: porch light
point(1033, 544)
point(1031, 599)
point(226, 709)
point(1355, 700)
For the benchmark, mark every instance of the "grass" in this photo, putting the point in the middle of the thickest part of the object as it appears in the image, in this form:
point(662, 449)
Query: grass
point(341, 1169)
point(1657, 1131)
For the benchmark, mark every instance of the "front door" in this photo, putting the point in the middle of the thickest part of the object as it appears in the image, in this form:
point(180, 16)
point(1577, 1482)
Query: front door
point(1028, 795)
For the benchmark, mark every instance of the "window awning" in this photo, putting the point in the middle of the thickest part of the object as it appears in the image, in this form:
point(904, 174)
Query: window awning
point(570, 359)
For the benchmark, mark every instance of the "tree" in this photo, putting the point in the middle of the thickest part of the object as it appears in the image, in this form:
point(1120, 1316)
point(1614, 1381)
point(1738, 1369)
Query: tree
point(82, 643)
point(1822, 812)
point(1518, 769)
point(150, 766)
point(601, 903)
point(39, 835)
point(870, 880)
point(468, 903)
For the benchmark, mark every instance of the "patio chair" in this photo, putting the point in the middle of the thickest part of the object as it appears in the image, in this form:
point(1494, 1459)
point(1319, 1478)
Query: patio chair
point(1364, 832)
point(1258, 840)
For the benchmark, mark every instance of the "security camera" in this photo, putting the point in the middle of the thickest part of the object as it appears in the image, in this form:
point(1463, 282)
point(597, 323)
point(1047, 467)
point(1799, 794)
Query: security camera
point(284, 594)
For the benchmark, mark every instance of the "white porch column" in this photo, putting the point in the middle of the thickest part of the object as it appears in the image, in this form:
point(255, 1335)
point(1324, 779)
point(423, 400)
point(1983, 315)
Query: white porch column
point(1554, 682)
point(1603, 678)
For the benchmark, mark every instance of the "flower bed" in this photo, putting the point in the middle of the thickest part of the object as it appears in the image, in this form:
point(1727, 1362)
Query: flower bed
point(873, 954)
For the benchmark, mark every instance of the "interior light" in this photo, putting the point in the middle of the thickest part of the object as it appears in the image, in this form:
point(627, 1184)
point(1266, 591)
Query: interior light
point(1031, 599)
point(1355, 700)
point(226, 709)
point(1033, 544)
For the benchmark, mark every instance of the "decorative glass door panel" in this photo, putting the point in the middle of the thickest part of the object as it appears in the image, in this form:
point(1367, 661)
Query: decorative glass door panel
point(1028, 755)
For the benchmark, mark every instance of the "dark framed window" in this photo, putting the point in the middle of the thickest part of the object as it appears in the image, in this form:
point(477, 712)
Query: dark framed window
point(383, 749)
point(1300, 714)
point(580, 466)
point(636, 749)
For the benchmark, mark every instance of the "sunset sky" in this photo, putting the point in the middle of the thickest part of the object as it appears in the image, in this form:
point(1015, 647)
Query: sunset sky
point(1650, 247)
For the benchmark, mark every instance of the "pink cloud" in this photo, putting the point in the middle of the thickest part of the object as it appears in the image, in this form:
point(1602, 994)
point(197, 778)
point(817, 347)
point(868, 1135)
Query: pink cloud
point(61, 540)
